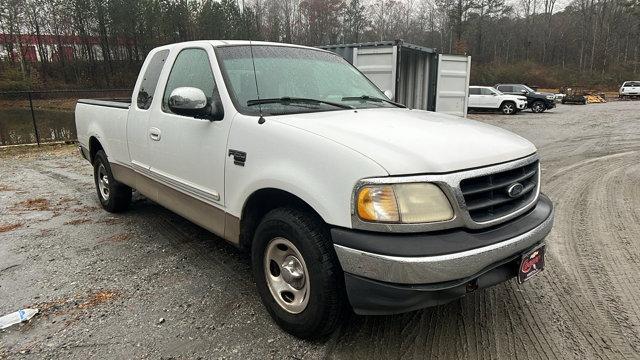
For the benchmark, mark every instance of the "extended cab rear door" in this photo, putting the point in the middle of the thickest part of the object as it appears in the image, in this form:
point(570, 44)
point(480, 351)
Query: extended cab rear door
point(139, 111)
point(186, 153)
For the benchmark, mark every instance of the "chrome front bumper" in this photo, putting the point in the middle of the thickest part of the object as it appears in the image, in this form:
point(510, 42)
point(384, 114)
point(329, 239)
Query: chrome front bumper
point(438, 268)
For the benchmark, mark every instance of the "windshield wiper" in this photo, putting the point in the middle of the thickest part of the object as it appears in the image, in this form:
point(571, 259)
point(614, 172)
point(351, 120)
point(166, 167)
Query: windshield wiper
point(293, 100)
point(371, 98)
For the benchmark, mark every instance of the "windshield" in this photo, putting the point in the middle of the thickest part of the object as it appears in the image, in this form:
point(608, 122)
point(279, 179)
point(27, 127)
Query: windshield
point(631, 83)
point(496, 91)
point(528, 88)
point(294, 74)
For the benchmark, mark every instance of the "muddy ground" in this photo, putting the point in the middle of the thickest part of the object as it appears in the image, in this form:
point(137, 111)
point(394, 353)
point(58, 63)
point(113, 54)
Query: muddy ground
point(149, 284)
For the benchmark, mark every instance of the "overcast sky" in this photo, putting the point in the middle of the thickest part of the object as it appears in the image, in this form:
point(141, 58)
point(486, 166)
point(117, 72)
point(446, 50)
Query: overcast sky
point(560, 4)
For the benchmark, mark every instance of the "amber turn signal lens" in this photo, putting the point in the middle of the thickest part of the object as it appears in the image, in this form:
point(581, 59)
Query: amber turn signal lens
point(378, 203)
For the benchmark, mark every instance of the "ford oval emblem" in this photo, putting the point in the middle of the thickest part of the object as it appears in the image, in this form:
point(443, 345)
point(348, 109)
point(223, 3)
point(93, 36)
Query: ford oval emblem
point(514, 190)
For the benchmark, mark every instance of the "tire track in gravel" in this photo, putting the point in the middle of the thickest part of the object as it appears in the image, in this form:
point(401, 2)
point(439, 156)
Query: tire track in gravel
point(590, 254)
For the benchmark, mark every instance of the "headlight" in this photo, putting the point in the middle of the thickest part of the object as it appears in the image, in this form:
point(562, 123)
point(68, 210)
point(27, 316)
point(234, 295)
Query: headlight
point(403, 203)
point(551, 97)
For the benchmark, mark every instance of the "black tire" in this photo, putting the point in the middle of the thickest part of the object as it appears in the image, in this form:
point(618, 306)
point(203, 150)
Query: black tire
point(113, 196)
point(508, 108)
point(326, 304)
point(538, 107)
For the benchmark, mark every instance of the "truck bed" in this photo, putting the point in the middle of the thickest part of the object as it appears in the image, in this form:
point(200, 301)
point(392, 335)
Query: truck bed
point(107, 117)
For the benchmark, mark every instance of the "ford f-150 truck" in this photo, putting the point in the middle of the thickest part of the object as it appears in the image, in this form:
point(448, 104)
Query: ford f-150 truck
point(345, 199)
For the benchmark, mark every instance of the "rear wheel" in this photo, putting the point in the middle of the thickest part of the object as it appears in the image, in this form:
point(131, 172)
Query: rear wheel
point(297, 273)
point(508, 108)
point(538, 107)
point(114, 196)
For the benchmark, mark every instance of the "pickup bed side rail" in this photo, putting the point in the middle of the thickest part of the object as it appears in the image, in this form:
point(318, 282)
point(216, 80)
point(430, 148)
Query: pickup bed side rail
point(115, 103)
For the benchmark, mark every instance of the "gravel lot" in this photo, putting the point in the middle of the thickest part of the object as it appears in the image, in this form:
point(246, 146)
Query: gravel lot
point(149, 284)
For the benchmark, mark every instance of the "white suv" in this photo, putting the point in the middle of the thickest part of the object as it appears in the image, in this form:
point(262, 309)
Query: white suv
point(486, 97)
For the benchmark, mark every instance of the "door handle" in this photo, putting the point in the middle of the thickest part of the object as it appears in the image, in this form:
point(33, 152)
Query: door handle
point(155, 134)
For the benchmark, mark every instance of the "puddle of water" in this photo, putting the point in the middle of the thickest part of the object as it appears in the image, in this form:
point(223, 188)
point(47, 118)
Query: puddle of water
point(16, 126)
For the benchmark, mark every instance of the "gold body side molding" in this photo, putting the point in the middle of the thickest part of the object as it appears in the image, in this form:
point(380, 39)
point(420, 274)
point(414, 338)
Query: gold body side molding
point(205, 215)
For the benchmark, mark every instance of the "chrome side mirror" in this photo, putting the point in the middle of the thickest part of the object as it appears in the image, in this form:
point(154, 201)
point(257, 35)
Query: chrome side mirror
point(388, 94)
point(190, 101)
point(187, 101)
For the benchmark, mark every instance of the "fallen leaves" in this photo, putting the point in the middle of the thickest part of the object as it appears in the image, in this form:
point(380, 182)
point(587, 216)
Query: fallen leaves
point(73, 304)
point(118, 237)
point(38, 204)
point(9, 227)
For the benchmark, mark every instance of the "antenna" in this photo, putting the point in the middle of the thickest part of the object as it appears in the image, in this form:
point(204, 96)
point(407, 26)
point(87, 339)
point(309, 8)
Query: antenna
point(255, 77)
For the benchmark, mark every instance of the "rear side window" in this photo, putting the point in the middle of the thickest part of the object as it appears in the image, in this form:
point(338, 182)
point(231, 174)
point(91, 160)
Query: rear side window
point(474, 91)
point(150, 80)
point(191, 69)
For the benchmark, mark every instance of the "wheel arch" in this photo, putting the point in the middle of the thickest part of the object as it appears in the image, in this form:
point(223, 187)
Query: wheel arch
point(94, 147)
point(259, 203)
point(506, 101)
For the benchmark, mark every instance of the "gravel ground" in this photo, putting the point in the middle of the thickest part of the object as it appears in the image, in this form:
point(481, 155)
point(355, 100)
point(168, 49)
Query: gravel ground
point(149, 284)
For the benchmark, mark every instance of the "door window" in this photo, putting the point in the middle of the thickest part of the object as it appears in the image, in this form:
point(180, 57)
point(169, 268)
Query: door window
point(485, 91)
point(190, 69)
point(474, 91)
point(518, 88)
point(150, 79)
point(505, 88)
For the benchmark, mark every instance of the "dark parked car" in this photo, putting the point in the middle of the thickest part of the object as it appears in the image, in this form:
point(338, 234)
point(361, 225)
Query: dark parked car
point(536, 101)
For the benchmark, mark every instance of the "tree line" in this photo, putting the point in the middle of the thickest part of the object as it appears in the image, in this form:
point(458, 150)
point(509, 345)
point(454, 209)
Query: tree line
point(592, 42)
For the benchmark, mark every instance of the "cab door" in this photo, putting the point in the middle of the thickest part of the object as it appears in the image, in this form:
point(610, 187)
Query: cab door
point(138, 118)
point(188, 153)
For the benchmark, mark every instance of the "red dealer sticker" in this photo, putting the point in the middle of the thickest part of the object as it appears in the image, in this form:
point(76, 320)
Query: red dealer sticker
point(531, 264)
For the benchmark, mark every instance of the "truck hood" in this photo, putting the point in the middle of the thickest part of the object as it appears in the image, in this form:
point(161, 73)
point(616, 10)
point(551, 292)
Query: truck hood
point(406, 141)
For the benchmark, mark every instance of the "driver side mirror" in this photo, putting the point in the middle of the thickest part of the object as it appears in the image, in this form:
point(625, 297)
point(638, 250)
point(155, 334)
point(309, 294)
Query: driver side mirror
point(388, 94)
point(524, 91)
point(190, 101)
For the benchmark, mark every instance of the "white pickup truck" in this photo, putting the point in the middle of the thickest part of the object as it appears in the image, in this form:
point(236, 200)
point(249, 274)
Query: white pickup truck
point(629, 89)
point(344, 199)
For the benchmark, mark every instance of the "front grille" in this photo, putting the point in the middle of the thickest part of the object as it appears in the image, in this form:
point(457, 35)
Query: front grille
point(487, 196)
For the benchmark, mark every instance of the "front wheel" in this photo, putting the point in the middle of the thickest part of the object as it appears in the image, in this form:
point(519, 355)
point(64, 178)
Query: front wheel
point(508, 108)
point(297, 273)
point(538, 107)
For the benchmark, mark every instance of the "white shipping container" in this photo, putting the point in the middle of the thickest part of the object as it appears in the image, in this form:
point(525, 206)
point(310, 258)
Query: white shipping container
point(417, 76)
